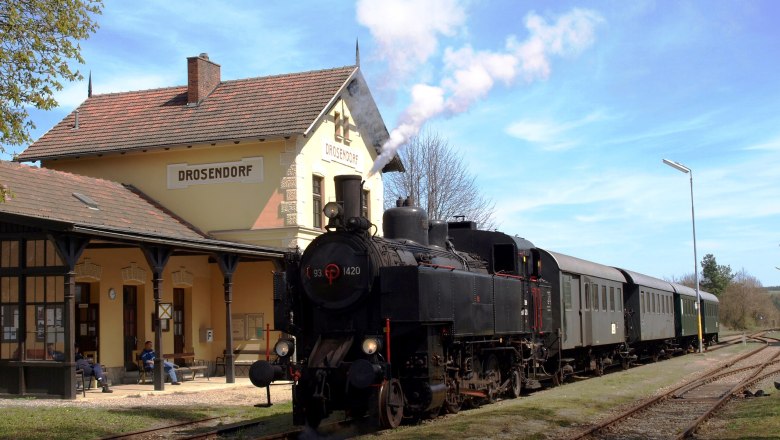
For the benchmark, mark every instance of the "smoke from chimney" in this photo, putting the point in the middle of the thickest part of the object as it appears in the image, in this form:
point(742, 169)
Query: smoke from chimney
point(470, 75)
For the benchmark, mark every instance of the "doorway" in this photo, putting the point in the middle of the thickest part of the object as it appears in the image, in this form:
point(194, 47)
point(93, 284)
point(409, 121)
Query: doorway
point(87, 320)
point(130, 325)
point(178, 320)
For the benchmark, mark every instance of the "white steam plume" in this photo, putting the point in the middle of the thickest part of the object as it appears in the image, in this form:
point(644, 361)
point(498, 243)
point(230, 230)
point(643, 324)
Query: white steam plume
point(472, 74)
point(407, 31)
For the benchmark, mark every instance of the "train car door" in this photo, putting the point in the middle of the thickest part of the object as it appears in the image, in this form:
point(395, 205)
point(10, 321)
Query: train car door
point(570, 287)
point(586, 313)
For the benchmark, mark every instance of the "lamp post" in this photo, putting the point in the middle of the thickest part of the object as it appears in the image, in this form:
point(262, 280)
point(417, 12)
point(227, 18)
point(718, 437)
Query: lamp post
point(686, 170)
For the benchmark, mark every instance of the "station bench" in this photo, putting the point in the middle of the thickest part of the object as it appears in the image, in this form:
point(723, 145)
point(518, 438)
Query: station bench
point(187, 365)
point(242, 360)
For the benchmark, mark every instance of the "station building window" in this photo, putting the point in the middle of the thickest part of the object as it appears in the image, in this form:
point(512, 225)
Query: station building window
point(26, 271)
point(364, 204)
point(316, 191)
point(337, 125)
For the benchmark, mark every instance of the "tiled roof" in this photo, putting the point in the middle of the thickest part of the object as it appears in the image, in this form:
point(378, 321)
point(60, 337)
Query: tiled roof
point(253, 108)
point(42, 193)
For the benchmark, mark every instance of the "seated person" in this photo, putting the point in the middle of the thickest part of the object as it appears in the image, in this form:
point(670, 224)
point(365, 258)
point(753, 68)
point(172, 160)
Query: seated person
point(54, 355)
point(90, 369)
point(147, 356)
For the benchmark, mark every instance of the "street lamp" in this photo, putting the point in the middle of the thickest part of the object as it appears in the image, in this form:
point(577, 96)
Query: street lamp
point(686, 170)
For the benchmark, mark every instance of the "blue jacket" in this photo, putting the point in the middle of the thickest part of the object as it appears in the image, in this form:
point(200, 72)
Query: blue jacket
point(148, 357)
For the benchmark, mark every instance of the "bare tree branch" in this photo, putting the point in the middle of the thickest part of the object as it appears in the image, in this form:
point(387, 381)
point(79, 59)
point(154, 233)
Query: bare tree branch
point(438, 181)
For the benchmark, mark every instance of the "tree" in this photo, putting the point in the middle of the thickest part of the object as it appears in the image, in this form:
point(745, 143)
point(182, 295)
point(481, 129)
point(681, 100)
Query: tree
point(745, 303)
point(38, 41)
point(438, 181)
point(715, 277)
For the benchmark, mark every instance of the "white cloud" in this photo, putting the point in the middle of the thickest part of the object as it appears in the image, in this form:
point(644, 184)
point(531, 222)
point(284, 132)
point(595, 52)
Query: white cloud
point(770, 145)
point(551, 135)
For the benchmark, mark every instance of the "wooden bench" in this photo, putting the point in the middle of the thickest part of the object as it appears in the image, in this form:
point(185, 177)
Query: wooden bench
point(187, 364)
point(192, 367)
point(242, 360)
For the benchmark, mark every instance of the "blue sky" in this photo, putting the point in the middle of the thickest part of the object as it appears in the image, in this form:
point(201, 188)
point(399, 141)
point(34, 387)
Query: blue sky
point(563, 110)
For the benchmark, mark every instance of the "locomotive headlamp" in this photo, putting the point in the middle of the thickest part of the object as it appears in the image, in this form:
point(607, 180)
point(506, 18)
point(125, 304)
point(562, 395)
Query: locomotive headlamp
point(331, 209)
point(371, 345)
point(284, 348)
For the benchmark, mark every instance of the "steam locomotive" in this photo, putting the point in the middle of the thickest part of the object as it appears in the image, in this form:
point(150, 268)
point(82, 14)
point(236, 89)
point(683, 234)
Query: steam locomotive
point(433, 316)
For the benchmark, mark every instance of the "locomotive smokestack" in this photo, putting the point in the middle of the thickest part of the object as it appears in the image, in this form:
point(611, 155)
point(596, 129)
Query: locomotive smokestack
point(349, 192)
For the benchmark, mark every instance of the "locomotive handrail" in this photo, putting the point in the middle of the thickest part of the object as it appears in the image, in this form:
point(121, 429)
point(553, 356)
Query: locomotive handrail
point(509, 275)
point(437, 266)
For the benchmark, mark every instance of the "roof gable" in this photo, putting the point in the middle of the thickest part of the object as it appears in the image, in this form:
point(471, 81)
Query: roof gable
point(254, 108)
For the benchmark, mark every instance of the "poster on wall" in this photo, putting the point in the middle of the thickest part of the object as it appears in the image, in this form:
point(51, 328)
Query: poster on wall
point(40, 327)
point(239, 329)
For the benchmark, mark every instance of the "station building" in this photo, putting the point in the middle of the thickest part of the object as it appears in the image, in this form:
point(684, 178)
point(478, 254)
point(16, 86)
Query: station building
point(163, 215)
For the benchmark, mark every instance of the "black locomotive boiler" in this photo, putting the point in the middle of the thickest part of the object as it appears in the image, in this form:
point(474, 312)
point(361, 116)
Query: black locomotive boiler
point(402, 325)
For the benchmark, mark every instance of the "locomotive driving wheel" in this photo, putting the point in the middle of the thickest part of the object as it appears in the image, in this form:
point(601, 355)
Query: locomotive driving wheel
point(517, 384)
point(492, 373)
point(452, 400)
point(391, 404)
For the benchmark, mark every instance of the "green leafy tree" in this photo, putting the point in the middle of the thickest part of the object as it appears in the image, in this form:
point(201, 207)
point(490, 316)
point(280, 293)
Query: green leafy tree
point(715, 277)
point(38, 43)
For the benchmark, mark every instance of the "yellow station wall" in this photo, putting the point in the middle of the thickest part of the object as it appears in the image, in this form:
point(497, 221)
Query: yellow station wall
point(204, 301)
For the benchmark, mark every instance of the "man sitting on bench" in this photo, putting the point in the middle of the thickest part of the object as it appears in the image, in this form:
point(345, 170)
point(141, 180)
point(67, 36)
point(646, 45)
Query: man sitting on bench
point(147, 356)
point(90, 369)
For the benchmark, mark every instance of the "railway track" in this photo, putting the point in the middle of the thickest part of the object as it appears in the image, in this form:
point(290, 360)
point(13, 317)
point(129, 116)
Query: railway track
point(174, 431)
point(677, 413)
point(204, 429)
point(717, 385)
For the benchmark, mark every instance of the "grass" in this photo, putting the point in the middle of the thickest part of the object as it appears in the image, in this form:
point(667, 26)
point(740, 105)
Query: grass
point(563, 411)
point(756, 418)
point(54, 423)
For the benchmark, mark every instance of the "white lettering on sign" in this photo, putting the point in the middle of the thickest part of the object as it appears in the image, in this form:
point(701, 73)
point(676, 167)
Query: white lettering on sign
point(333, 152)
point(247, 170)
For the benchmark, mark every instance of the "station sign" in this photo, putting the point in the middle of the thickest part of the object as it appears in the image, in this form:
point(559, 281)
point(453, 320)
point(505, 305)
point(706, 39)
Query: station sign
point(247, 170)
point(334, 152)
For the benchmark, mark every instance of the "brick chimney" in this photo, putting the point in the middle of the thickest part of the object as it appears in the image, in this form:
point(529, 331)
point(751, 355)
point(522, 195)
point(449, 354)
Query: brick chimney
point(202, 78)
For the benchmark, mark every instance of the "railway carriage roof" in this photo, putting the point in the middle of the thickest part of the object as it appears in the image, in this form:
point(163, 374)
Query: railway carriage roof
point(648, 281)
point(707, 296)
point(687, 291)
point(576, 265)
point(684, 290)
